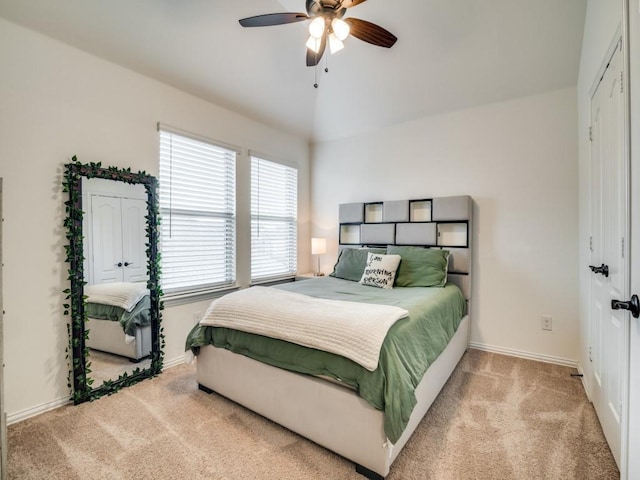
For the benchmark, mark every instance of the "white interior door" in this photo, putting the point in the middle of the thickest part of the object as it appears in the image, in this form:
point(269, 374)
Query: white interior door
point(609, 245)
point(106, 227)
point(134, 231)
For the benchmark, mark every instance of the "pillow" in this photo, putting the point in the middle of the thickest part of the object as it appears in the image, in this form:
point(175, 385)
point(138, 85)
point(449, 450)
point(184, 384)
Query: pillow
point(118, 294)
point(421, 267)
point(351, 263)
point(380, 270)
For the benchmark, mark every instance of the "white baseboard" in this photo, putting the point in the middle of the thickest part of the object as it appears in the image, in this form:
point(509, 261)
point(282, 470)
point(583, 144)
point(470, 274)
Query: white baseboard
point(37, 410)
point(174, 362)
point(528, 355)
point(21, 415)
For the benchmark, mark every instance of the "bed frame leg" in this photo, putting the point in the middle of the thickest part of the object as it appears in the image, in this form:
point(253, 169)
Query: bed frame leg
point(204, 389)
point(370, 474)
point(138, 360)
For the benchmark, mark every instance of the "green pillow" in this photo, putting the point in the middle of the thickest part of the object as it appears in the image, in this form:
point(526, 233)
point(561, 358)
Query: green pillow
point(420, 267)
point(351, 263)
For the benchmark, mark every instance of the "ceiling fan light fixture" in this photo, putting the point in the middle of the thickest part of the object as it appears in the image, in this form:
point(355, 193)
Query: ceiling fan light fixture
point(335, 44)
point(340, 28)
point(316, 27)
point(327, 29)
point(313, 44)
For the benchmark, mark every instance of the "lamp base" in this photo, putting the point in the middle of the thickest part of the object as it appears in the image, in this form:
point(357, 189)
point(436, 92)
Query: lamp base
point(318, 274)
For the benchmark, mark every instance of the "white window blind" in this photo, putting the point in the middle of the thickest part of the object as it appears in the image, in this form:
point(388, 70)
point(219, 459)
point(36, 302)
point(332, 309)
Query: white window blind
point(198, 208)
point(274, 224)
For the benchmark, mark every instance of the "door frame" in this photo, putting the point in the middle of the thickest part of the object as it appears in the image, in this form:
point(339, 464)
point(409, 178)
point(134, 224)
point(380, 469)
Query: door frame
point(624, 440)
point(631, 26)
point(3, 416)
point(621, 36)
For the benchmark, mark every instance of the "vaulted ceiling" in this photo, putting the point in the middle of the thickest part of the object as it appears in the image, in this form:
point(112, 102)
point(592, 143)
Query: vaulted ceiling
point(450, 54)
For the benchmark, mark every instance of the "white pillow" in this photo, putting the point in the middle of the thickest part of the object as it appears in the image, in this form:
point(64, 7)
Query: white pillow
point(118, 294)
point(380, 270)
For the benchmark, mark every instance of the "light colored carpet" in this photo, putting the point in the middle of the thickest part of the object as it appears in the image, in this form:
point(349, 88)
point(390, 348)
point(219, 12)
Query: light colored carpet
point(105, 366)
point(498, 417)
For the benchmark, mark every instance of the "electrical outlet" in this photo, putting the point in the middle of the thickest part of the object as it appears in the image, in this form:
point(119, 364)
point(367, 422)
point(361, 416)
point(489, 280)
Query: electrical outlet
point(197, 316)
point(547, 322)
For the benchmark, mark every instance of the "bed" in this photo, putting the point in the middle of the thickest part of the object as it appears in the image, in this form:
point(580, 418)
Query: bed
point(335, 401)
point(118, 319)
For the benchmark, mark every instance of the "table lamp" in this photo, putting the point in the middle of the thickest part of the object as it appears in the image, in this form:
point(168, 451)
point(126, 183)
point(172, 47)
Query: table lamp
point(318, 247)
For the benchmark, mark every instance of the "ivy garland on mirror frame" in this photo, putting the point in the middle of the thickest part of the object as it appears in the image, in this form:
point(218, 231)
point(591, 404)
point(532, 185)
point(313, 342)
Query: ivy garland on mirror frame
point(79, 382)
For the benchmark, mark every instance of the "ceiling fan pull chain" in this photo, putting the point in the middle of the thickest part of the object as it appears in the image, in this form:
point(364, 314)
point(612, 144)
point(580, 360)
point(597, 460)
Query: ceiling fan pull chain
point(315, 72)
point(326, 63)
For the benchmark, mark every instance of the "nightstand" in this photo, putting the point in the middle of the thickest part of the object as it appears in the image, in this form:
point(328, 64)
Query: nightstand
point(305, 276)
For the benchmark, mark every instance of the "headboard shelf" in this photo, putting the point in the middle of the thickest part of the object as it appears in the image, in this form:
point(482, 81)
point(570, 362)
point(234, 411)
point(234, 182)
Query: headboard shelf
point(420, 210)
point(373, 212)
point(453, 234)
point(349, 234)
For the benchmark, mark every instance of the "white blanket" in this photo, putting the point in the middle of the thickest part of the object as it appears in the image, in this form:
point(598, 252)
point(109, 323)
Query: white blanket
point(351, 329)
point(119, 294)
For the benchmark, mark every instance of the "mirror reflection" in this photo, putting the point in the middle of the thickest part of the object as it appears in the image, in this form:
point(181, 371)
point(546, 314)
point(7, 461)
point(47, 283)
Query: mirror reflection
point(115, 272)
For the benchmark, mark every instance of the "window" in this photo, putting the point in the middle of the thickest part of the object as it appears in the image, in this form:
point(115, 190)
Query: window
point(197, 206)
point(274, 226)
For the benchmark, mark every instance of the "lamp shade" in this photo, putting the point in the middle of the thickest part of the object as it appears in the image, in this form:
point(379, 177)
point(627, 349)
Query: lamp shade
point(316, 27)
point(318, 246)
point(313, 44)
point(340, 28)
point(335, 45)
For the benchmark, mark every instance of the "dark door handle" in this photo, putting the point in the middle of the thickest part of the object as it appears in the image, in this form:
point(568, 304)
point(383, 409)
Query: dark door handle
point(603, 269)
point(126, 264)
point(632, 305)
point(119, 264)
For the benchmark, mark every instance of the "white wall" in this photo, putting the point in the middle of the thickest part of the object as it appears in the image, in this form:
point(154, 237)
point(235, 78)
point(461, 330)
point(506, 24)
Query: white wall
point(602, 26)
point(56, 101)
point(518, 160)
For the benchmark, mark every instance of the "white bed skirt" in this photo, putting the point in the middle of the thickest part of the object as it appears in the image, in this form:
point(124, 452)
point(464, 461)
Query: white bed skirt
point(108, 336)
point(329, 414)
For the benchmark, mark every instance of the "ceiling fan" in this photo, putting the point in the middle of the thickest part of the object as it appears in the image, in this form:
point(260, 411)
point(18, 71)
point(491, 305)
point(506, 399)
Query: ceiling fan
point(327, 26)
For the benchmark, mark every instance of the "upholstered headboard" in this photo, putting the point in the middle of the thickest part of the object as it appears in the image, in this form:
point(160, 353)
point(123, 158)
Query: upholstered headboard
point(440, 222)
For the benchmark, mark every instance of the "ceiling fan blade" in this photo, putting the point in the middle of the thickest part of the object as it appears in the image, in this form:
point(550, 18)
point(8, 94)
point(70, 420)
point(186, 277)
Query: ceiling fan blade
point(273, 19)
point(313, 58)
point(351, 3)
point(371, 33)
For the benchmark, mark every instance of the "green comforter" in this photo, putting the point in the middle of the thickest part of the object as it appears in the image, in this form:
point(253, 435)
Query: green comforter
point(138, 317)
point(411, 345)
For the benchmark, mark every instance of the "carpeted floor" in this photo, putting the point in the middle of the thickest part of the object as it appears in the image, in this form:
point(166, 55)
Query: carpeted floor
point(105, 366)
point(498, 417)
